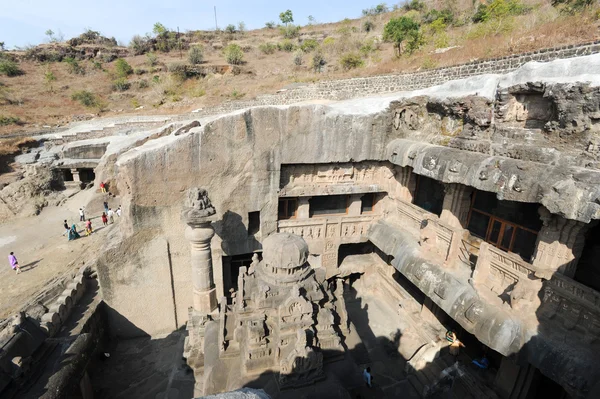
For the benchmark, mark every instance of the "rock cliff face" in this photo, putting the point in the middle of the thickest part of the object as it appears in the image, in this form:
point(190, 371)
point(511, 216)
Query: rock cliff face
point(526, 141)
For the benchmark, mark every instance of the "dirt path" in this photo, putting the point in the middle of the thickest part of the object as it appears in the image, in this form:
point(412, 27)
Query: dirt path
point(43, 252)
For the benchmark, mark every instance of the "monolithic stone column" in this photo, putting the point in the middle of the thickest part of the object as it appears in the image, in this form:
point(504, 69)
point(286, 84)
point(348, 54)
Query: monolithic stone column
point(303, 211)
point(457, 201)
point(198, 214)
point(75, 173)
point(559, 245)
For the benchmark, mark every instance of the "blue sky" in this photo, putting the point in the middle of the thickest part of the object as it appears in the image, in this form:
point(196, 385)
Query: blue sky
point(24, 22)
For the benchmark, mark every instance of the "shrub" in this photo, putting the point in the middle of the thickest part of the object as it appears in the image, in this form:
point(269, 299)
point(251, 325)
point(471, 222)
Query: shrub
point(378, 9)
point(267, 48)
point(140, 44)
point(318, 62)
point(242, 27)
point(398, 30)
point(86, 98)
point(270, 25)
point(10, 68)
point(121, 84)
point(416, 5)
point(230, 28)
point(298, 57)
point(74, 67)
point(289, 31)
point(143, 84)
point(446, 15)
point(368, 26)
point(151, 59)
point(49, 78)
point(573, 6)
point(236, 95)
point(287, 45)
point(309, 45)
point(329, 41)
point(139, 71)
point(437, 26)
point(97, 65)
point(351, 61)
point(122, 68)
point(196, 55)
point(499, 9)
point(234, 54)
point(178, 70)
point(108, 57)
point(9, 120)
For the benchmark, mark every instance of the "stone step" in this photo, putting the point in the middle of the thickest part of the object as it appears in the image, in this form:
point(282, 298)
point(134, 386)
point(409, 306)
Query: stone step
point(416, 384)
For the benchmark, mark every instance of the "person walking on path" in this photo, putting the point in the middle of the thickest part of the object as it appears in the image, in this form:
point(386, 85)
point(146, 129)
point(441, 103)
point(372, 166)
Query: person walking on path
point(14, 263)
point(73, 234)
point(88, 227)
point(81, 215)
point(119, 210)
point(102, 187)
point(111, 215)
point(368, 377)
point(105, 207)
point(104, 219)
point(66, 226)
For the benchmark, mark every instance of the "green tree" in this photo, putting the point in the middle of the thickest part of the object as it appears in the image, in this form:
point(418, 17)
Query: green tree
point(2, 48)
point(242, 27)
point(230, 28)
point(286, 17)
point(50, 34)
point(159, 29)
point(311, 20)
point(399, 30)
point(270, 25)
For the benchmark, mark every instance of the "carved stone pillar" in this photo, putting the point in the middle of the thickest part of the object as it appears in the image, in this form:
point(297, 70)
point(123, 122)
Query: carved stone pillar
point(559, 245)
point(198, 214)
point(406, 184)
point(355, 205)
point(457, 201)
point(75, 173)
point(303, 211)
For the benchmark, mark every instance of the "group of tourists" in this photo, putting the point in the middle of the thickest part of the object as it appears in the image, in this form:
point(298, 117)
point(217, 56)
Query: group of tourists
point(107, 216)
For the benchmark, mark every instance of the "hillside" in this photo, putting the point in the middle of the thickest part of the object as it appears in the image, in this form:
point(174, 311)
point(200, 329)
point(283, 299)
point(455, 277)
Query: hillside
point(48, 93)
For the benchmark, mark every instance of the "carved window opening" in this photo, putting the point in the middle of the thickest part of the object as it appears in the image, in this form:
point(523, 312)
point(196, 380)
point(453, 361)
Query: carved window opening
point(253, 223)
point(429, 195)
point(87, 175)
point(325, 205)
point(367, 203)
point(235, 262)
point(288, 207)
point(67, 175)
point(508, 225)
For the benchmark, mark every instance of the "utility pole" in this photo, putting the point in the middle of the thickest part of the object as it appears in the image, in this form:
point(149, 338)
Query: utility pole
point(179, 41)
point(216, 25)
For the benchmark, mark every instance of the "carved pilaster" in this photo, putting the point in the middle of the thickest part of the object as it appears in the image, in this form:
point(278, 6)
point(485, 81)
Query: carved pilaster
point(559, 245)
point(406, 184)
point(457, 201)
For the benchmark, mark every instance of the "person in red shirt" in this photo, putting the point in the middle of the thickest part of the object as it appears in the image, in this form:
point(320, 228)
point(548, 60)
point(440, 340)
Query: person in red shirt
point(104, 219)
point(88, 227)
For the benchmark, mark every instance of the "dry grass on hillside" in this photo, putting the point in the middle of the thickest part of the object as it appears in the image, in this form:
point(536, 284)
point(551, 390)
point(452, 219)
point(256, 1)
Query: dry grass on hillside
point(30, 98)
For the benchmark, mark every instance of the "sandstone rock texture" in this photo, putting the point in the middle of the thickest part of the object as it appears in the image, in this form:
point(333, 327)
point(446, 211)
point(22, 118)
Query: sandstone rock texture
point(238, 159)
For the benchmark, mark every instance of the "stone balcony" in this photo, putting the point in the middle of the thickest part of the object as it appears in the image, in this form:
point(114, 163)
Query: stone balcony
point(507, 303)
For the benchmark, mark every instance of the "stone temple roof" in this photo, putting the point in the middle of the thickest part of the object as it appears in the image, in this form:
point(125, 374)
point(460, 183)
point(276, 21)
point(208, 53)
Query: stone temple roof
point(285, 251)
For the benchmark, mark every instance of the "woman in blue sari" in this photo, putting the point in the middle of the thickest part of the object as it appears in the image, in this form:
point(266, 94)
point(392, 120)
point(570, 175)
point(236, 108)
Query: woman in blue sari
point(73, 234)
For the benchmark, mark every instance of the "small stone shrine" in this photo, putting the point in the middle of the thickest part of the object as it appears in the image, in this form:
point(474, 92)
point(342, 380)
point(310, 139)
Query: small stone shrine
point(280, 320)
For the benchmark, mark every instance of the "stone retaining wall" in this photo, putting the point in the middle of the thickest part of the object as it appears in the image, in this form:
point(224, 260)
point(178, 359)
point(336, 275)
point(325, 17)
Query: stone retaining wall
point(359, 87)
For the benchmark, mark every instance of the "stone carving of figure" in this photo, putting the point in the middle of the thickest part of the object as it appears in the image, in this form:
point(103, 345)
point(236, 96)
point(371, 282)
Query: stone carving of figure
point(197, 206)
point(254, 264)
